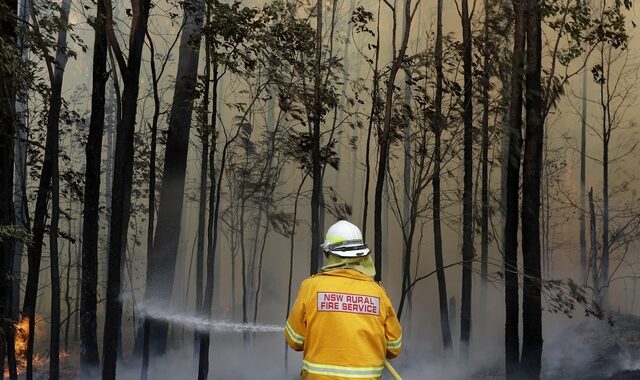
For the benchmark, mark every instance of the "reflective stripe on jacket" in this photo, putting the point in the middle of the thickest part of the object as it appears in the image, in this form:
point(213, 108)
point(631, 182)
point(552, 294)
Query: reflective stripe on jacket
point(345, 324)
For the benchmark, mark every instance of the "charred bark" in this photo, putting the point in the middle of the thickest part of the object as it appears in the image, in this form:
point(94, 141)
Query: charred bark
point(512, 303)
point(161, 264)
point(593, 257)
point(89, 357)
point(55, 71)
point(385, 137)
point(372, 116)
point(122, 176)
point(484, 224)
point(54, 119)
point(531, 360)
point(212, 231)
point(204, 172)
point(583, 177)
point(605, 104)
point(315, 148)
point(437, 162)
point(8, 123)
point(151, 201)
point(467, 196)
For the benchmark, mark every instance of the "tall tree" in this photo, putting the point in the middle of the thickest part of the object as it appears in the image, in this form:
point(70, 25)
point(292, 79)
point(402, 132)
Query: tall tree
point(212, 223)
point(373, 116)
point(484, 223)
point(514, 131)
point(89, 357)
point(55, 71)
point(406, 220)
point(204, 172)
point(616, 87)
point(151, 200)
point(467, 200)
point(8, 88)
point(54, 120)
point(348, 76)
point(214, 207)
point(583, 176)
point(161, 264)
point(122, 172)
point(384, 138)
point(437, 163)
point(593, 255)
point(531, 360)
point(315, 146)
point(21, 146)
point(605, 133)
point(156, 77)
point(611, 75)
point(216, 174)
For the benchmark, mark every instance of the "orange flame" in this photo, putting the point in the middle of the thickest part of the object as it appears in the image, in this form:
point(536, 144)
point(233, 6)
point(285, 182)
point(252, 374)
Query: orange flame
point(21, 337)
point(21, 330)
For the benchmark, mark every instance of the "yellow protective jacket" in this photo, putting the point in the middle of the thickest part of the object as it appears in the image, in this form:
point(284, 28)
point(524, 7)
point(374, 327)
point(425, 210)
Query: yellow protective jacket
point(345, 324)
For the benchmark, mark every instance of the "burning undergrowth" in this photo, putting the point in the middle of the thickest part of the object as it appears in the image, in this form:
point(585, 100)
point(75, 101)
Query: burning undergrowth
point(40, 360)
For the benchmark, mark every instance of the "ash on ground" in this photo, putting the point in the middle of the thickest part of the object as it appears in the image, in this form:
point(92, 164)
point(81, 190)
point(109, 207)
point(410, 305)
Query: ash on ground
point(596, 350)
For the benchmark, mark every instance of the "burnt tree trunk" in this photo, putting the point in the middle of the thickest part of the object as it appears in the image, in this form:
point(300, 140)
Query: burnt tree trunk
point(204, 171)
point(605, 104)
point(437, 162)
point(467, 200)
point(514, 131)
point(8, 123)
point(21, 213)
point(44, 188)
point(292, 242)
point(372, 115)
point(583, 177)
point(122, 176)
point(161, 263)
point(212, 230)
point(531, 360)
point(593, 257)
point(315, 147)
point(89, 357)
point(484, 224)
point(53, 120)
point(151, 201)
point(385, 137)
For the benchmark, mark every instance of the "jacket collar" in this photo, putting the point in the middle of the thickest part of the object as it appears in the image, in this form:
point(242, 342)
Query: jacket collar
point(346, 272)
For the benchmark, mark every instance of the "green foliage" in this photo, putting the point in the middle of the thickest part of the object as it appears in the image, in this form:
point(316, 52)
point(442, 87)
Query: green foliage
point(11, 61)
point(14, 233)
point(300, 150)
point(562, 296)
point(336, 206)
point(610, 28)
point(47, 13)
point(281, 222)
point(579, 29)
point(245, 38)
point(360, 20)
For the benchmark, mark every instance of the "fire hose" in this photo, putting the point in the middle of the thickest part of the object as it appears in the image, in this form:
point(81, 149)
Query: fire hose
point(392, 370)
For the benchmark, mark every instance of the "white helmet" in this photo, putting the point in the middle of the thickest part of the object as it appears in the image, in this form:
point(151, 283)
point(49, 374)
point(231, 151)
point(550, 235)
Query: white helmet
point(344, 239)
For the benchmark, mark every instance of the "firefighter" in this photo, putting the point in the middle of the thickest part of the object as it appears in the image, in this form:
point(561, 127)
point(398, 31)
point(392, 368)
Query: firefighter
point(342, 319)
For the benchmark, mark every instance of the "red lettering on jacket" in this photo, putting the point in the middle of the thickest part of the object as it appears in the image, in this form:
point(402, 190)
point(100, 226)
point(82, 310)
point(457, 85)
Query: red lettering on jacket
point(349, 303)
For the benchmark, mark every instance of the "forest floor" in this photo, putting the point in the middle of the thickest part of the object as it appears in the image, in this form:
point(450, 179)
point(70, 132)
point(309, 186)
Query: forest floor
point(590, 350)
point(596, 349)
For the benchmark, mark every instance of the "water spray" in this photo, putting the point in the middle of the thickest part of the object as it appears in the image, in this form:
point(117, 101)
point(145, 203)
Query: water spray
point(203, 324)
